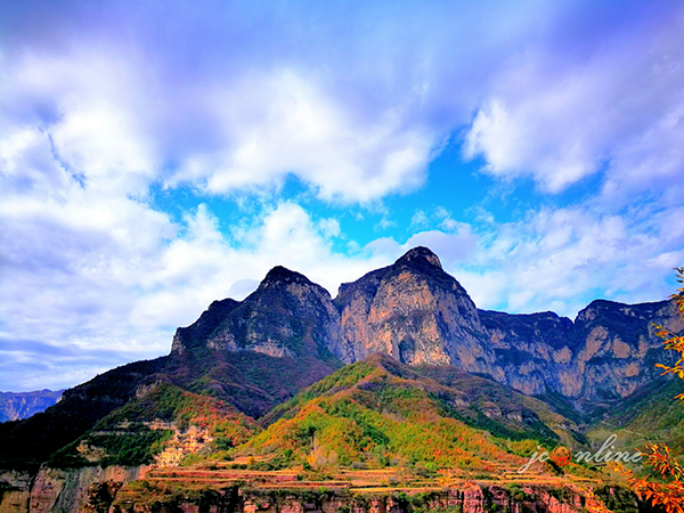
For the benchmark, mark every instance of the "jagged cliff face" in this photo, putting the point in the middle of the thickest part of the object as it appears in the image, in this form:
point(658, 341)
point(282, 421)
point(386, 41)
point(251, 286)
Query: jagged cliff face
point(608, 352)
point(286, 316)
point(415, 312)
point(531, 350)
point(617, 347)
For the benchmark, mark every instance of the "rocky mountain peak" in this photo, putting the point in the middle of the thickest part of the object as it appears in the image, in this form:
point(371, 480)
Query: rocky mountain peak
point(415, 312)
point(419, 256)
point(280, 275)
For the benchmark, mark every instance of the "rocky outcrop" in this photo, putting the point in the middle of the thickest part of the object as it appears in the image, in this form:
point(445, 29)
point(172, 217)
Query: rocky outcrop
point(118, 489)
point(286, 316)
point(196, 335)
point(417, 313)
point(15, 491)
point(616, 347)
point(470, 497)
point(80, 490)
point(608, 352)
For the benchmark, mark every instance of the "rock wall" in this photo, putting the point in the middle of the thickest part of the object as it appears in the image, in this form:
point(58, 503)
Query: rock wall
point(112, 489)
point(417, 313)
point(287, 315)
point(79, 490)
point(15, 491)
point(608, 352)
point(469, 498)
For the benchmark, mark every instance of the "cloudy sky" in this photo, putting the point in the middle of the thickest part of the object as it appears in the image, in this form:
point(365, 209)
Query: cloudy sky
point(156, 156)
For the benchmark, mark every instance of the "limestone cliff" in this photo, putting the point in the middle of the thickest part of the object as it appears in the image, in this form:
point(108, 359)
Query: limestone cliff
point(608, 352)
point(286, 316)
point(81, 489)
point(415, 312)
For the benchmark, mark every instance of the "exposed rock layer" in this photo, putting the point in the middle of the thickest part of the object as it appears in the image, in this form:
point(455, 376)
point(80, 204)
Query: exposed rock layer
point(416, 312)
point(286, 316)
point(56, 490)
point(472, 497)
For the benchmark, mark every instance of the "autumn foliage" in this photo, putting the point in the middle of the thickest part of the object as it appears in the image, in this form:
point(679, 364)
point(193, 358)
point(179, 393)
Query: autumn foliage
point(666, 488)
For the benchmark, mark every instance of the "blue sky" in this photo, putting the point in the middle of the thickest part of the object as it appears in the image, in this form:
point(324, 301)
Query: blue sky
point(156, 156)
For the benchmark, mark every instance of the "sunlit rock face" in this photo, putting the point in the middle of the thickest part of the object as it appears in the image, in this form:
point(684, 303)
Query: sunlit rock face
point(415, 312)
point(617, 349)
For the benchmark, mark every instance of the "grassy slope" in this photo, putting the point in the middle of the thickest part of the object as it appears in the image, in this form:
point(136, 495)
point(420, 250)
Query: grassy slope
point(378, 411)
point(124, 436)
point(649, 416)
point(250, 382)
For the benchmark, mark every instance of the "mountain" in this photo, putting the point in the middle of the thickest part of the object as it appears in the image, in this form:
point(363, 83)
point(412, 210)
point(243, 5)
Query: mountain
point(607, 353)
point(374, 436)
point(416, 312)
point(289, 333)
point(156, 426)
point(263, 379)
point(286, 316)
point(15, 406)
point(375, 405)
point(30, 442)
point(253, 355)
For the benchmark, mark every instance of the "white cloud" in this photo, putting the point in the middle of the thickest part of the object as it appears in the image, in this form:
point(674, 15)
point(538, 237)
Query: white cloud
point(282, 122)
point(559, 259)
point(90, 120)
point(559, 121)
point(86, 269)
point(82, 102)
point(225, 104)
point(419, 220)
point(329, 227)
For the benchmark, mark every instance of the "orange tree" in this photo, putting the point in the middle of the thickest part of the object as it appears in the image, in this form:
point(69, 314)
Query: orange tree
point(665, 491)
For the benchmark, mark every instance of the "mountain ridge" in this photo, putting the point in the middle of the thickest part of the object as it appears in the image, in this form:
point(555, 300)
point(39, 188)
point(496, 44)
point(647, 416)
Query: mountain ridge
point(416, 312)
point(21, 405)
point(290, 333)
point(419, 314)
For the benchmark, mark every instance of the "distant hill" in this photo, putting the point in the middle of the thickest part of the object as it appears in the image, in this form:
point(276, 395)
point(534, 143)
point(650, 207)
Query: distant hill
point(15, 406)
